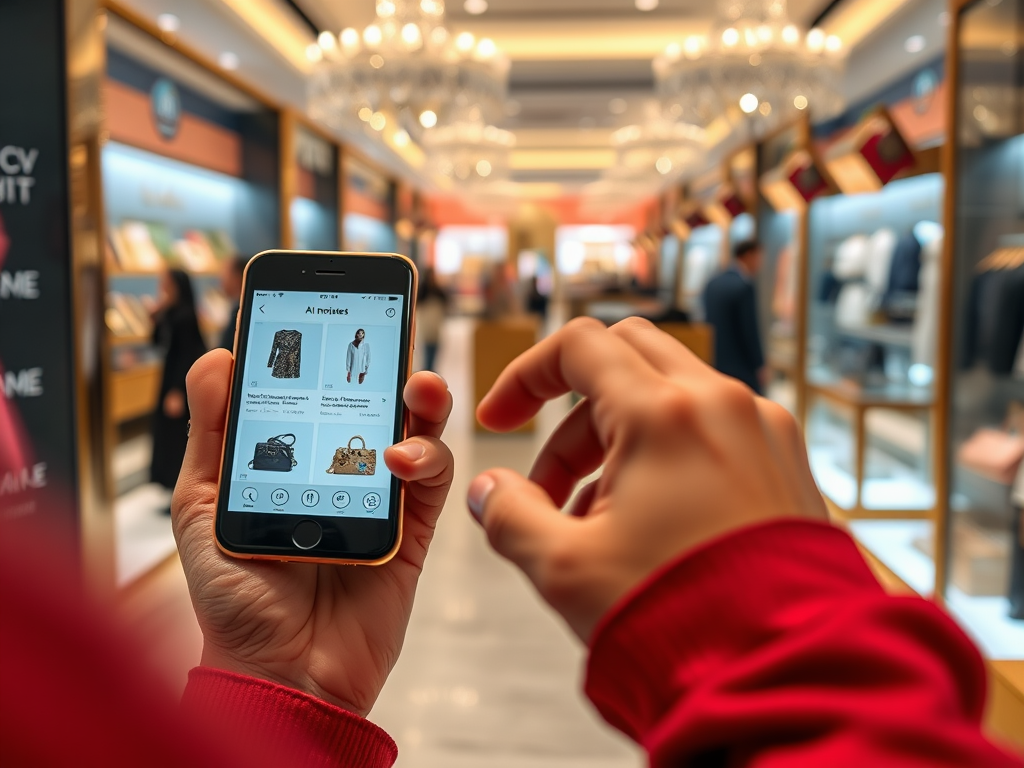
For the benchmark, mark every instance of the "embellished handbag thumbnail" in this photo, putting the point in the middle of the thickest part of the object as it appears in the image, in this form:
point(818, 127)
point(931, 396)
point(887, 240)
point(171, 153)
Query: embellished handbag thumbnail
point(275, 455)
point(354, 461)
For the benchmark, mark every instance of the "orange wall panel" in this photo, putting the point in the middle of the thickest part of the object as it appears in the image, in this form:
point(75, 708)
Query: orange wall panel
point(358, 202)
point(199, 142)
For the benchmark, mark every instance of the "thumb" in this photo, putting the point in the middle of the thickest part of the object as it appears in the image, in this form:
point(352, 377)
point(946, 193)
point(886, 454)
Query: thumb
point(208, 385)
point(523, 525)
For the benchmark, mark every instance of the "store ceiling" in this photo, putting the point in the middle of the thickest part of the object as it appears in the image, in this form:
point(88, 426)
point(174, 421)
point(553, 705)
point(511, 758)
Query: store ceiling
point(579, 68)
point(573, 64)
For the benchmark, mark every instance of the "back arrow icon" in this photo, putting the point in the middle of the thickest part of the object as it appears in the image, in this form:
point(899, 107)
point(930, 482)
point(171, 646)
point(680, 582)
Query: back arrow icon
point(261, 308)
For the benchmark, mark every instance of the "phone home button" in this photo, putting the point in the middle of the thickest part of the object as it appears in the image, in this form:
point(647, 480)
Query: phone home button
point(307, 534)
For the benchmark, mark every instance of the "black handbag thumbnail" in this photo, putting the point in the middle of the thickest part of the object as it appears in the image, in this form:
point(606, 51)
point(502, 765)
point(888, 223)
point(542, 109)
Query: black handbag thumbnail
point(275, 455)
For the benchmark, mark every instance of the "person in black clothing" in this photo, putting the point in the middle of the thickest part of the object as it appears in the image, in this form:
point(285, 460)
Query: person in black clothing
point(231, 284)
point(730, 305)
point(176, 332)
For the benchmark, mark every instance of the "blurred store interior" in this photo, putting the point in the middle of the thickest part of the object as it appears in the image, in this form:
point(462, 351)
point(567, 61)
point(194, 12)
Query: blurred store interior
point(547, 159)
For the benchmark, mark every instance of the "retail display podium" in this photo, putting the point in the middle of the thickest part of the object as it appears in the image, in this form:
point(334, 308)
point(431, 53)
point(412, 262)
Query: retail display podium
point(497, 343)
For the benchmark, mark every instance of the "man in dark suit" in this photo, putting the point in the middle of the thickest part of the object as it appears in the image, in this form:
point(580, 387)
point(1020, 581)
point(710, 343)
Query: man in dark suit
point(730, 306)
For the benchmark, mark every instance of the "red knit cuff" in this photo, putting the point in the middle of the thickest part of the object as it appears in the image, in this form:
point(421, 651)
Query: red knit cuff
point(710, 607)
point(309, 731)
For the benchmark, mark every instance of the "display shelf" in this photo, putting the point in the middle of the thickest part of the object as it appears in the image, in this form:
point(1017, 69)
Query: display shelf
point(859, 449)
point(888, 335)
point(133, 393)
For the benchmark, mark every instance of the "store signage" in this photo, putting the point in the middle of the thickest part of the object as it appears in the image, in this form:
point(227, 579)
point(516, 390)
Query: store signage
point(166, 103)
point(38, 476)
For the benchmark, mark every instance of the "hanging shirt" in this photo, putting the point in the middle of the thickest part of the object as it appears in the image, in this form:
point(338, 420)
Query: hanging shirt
point(358, 358)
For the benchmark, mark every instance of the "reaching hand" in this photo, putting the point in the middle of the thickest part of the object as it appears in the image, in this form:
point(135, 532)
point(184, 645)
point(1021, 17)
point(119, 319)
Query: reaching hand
point(332, 631)
point(687, 455)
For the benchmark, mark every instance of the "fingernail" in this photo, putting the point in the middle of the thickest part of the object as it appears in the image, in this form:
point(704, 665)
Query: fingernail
point(410, 450)
point(438, 375)
point(479, 490)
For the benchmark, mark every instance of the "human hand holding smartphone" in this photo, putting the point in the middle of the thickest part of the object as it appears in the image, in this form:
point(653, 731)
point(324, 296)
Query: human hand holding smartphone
point(329, 630)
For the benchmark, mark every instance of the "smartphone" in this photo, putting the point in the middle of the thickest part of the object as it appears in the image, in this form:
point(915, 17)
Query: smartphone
point(323, 348)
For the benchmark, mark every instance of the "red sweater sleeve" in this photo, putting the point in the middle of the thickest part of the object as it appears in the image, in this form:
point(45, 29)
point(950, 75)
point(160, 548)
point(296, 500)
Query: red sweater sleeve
point(301, 729)
point(775, 646)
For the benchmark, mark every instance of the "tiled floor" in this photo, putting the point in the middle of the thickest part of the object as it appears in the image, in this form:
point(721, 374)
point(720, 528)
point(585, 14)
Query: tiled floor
point(489, 677)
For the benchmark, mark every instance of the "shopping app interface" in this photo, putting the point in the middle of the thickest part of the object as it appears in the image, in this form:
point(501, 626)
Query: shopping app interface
point(318, 404)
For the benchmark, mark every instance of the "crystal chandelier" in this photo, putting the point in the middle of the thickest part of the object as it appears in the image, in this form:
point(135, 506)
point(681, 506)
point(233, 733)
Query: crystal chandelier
point(406, 69)
point(658, 146)
point(754, 62)
point(469, 152)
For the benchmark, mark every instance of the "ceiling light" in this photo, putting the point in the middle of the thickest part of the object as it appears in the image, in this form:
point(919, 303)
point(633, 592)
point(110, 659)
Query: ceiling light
point(790, 34)
point(372, 35)
point(228, 60)
point(378, 121)
point(428, 118)
point(401, 138)
point(475, 7)
point(646, 5)
point(663, 165)
point(914, 44)
point(833, 44)
point(376, 61)
point(748, 103)
point(483, 168)
point(385, 9)
point(800, 102)
point(349, 38)
point(365, 113)
point(486, 49)
point(730, 37)
point(465, 42)
point(432, 7)
point(765, 108)
point(617, 106)
point(314, 53)
point(411, 35)
point(327, 41)
point(168, 22)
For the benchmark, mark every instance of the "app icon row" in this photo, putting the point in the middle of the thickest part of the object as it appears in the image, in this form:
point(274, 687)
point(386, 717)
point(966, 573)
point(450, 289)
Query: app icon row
point(310, 498)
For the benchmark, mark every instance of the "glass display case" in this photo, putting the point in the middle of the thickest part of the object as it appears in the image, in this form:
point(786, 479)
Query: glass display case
point(870, 340)
point(982, 574)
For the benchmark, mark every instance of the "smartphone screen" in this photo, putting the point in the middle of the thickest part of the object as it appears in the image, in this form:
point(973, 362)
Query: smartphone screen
point(316, 399)
point(318, 405)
